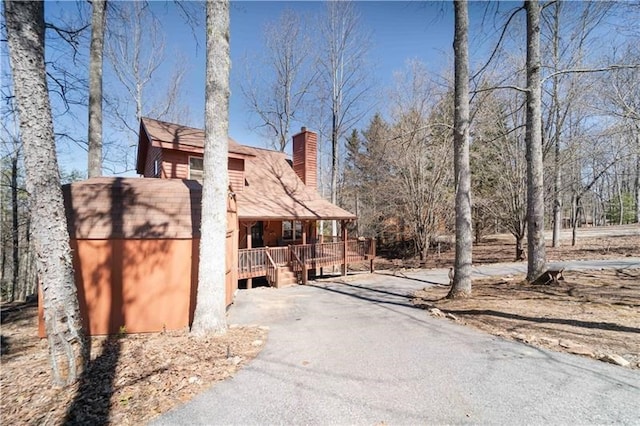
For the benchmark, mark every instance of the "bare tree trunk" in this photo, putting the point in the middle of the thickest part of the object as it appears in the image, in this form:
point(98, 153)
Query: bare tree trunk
point(620, 199)
point(557, 199)
point(95, 87)
point(14, 226)
point(637, 181)
point(63, 324)
point(334, 165)
point(519, 249)
point(210, 313)
point(464, 238)
point(576, 223)
point(535, 179)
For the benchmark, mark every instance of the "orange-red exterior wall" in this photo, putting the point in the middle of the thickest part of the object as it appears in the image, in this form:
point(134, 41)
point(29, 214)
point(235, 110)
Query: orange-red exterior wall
point(140, 285)
point(154, 154)
point(143, 285)
point(236, 174)
point(175, 165)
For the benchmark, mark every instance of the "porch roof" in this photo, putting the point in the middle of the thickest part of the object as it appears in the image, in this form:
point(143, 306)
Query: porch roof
point(273, 191)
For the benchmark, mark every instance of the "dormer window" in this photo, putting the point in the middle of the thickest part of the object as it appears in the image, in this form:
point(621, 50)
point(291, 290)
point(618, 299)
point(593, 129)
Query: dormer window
point(195, 168)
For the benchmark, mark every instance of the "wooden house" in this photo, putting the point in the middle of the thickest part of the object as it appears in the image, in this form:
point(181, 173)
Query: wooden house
point(278, 206)
point(136, 241)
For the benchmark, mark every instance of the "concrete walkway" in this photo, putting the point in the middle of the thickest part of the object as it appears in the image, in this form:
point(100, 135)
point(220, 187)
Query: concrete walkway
point(358, 353)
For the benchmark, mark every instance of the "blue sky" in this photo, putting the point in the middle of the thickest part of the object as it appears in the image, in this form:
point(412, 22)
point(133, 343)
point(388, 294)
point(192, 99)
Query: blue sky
point(400, 31)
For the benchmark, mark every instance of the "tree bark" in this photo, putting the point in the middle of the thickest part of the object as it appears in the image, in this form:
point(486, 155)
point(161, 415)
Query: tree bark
point(95, 87)
point(535, 175)
point(210, 313)
point(63, 324)
point(334, 166)
point(14, 226)
point(464, 238)
point(637, 181)
point(519, 249)
point(576, 222)
point(557, 182)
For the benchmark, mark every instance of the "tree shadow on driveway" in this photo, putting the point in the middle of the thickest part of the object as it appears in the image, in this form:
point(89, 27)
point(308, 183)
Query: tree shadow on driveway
point(368, 294)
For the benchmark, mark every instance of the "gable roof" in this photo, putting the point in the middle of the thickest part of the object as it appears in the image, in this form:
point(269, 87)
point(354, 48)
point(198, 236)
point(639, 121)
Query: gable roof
point(114, 207)
point(167, 135)
point(272, 191)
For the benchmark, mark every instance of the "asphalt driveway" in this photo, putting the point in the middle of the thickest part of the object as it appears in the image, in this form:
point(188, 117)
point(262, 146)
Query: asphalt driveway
point(357, 352)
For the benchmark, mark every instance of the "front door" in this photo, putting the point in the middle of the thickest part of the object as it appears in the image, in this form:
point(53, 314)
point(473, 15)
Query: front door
point(256, 235)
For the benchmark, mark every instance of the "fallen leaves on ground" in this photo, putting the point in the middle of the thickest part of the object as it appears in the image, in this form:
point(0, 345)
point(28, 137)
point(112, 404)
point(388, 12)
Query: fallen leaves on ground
point(130, 379)
point(589, 313)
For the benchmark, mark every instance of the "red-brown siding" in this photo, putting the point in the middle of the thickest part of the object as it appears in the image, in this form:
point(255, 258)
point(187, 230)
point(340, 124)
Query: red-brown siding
point(153, 154)
point(135, 253)
point(175, 164)
point(236, 174)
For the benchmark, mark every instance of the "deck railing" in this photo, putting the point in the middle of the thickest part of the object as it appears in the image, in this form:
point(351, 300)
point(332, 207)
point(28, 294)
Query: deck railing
point(265, 261)
point(297, 264)
point(272, 269)
point(252, 262)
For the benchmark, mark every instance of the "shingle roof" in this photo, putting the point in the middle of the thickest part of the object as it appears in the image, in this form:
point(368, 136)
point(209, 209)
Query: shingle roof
point(177, 136)
point(109, 207)
point(273, 189)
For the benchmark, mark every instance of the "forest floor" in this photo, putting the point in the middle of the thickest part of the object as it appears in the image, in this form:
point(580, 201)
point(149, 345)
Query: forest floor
point(590, 313)
point(133, 378)
point(500, 248)
point(130, 380)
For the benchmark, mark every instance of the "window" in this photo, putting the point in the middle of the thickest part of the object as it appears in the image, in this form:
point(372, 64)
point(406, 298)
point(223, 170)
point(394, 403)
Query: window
point(291, 230)
point(156, 168)
point(195, 168)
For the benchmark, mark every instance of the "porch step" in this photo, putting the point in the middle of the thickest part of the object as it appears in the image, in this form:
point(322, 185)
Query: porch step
point(286, 277)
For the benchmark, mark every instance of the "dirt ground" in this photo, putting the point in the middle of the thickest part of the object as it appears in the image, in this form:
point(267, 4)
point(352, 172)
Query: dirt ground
point(594, 313)
point(502, 248)
point(131, 379)
point(589, 313)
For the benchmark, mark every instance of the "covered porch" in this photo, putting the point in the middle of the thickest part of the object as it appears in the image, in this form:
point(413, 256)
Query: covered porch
point(297, 252)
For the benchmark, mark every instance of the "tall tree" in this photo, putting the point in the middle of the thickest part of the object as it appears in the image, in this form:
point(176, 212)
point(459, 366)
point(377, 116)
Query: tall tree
point(499, 165)
point(63, 324)
point(95, 87)
point(279, 97)
point(344, 77)
point(135, 50)
point(536, 260)
point(462, 270)
point(421, 154)
point(210, 313)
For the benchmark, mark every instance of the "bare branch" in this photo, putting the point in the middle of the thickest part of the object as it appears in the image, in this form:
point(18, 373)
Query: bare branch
point(489, 89)
point(590, 70)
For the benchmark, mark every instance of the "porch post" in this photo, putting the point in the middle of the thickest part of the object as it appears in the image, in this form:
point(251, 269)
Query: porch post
point(304, 232)
point(304, 258)
point(344, 247)
point(248, 228)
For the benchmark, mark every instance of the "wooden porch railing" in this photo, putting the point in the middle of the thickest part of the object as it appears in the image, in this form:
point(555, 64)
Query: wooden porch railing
point(252, 262)
point(297, 265)
point(265, 261)
point(272, 269)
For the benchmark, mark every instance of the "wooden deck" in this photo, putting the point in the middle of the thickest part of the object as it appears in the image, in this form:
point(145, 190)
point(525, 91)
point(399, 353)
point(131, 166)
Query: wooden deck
point(266, 261)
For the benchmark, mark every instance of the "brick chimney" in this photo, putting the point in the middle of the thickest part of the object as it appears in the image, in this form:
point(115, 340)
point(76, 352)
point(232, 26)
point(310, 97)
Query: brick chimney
point(305, 157)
